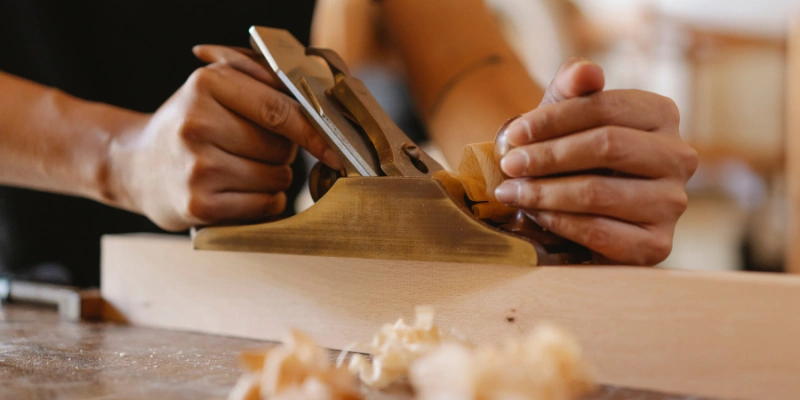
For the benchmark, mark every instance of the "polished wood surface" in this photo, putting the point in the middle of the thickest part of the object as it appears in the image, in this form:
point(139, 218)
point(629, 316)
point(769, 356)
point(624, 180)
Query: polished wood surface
point(44, 358)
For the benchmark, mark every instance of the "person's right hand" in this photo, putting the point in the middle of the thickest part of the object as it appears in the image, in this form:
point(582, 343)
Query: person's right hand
point(218, 151)
point(605, 169)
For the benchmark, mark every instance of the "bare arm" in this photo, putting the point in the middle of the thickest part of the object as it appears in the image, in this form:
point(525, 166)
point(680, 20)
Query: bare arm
point(52, 141)
point(465, 78)
point(217, 151)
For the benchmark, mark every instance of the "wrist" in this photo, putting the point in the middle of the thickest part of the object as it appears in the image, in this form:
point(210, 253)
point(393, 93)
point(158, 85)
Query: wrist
point(110, 176)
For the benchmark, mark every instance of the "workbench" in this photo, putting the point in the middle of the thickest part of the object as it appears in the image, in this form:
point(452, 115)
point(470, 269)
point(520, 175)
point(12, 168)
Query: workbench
point(42, 357)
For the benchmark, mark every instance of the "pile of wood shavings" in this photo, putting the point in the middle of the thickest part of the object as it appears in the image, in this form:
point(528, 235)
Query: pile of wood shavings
point(395, 347)
point(545, 365)
point(298, 370)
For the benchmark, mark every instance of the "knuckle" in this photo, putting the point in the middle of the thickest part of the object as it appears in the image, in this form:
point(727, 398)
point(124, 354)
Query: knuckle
point(285, 177)
point(610, 146)
point(201, 172)
point(689, 161)
point(285, 158)
point(313, 140)
point(544, 121)
point(660, 246)
point(274, 112)
point(280, 150)
point(202, 78)
point(191, 130)
point(286, 152)
point(595, 237)
point(670, 110)
point(680, 201)
point(274, 205)
point(596, 195)
point(530, 195)
point(545, 157)
point(554, 222)
point(197, 207)
point(289, 153)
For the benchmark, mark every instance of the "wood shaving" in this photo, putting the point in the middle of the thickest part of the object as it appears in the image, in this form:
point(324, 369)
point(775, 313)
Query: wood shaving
point(299, 369)
point(395, 347)
point(545, 365)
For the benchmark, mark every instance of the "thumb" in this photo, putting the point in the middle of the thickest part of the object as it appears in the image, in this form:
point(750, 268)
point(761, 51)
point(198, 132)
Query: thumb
point(576, 77)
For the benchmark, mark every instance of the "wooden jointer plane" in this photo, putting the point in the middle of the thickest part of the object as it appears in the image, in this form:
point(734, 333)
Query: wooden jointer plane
point(391, 200)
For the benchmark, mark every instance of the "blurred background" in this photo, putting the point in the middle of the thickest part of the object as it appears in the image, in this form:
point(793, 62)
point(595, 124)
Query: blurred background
point(724, 62)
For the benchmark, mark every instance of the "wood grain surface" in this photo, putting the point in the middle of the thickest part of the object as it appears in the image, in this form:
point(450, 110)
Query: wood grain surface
point(713, 334)
point(480, 174)
point(44, 358)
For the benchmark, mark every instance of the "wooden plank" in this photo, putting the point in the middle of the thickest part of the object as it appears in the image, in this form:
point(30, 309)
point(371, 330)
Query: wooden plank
point(793, 150)
point(714, 334)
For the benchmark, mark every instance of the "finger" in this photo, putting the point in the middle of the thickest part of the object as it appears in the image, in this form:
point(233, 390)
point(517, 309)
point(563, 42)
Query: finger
point(238, 174)
point(239, 58)
point(254, 177)
point(236, 207)
point(243, 138)
point(620, 149)
point(639, 201)
point(576, 77)
point(265, 106)
point(201, 51)
point(617, 241)
point(630, 108)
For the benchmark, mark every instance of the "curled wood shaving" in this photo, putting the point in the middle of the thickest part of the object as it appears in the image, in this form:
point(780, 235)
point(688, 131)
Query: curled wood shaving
point(299, 369)
point(395, 347)
point(545, 365)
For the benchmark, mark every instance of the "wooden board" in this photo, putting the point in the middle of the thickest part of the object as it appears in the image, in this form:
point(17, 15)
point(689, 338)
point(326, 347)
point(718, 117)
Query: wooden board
point(729, 335)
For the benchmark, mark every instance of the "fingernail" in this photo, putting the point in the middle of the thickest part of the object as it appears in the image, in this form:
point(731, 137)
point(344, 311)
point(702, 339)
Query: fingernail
point(581, 61)
point(515, 163)
point(519, 132)
point(507, 193)
point(332, 159)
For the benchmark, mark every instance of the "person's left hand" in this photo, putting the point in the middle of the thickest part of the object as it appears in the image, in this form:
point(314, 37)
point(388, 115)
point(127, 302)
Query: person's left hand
point(626, 217)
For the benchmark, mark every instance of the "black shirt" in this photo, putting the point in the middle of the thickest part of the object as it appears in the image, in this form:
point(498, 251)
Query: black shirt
point(132, 54)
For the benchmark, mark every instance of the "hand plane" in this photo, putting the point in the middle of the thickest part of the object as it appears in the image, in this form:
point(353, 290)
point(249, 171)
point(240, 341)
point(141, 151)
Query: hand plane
point(391, 200)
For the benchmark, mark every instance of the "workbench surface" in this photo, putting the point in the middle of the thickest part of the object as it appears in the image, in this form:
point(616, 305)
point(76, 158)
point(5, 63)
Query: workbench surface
point(44, 358)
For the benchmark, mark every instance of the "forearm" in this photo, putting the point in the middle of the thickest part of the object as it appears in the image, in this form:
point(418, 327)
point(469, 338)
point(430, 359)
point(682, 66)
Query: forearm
point(465, 78)
point(55, 142)
point(473, 110)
